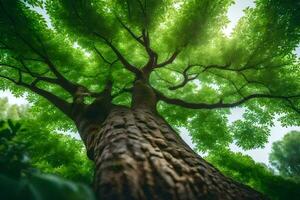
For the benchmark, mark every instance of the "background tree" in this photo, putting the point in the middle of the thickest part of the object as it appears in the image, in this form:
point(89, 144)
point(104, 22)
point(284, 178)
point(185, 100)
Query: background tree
point(13, 112)
point(285, 155)
point(122, 71)
point(245, 170)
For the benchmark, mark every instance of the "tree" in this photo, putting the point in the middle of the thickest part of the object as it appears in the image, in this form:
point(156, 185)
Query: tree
point(12, 112)
point(123, 72)
point(244, 169)
point(285, 155)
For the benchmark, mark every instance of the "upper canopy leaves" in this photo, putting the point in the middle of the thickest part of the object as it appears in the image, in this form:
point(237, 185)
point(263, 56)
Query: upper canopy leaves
point(95, 42)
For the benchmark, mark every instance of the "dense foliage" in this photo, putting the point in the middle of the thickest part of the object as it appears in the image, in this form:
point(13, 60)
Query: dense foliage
point(25, 145)
point(28, 155)
point(243, 169)
point(285, 155)
point(87, 42)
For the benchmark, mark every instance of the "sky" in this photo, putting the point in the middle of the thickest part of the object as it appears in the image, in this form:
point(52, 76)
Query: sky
point(235, 12)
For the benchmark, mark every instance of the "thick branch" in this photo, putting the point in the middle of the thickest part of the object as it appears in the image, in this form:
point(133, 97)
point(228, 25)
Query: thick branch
point(238, 70)
point(64, 106)
point(144, 40)
point(146, 43)
point(220, 104)
point(153, 56)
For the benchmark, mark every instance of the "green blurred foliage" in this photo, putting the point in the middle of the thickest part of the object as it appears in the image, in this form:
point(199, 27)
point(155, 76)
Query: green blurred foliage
point(48, 152)
point(14, 159)
point(43, 187)
point(57, 154)
point(25, 145)
point(285, 155)
point(244, 169)
point(27, 153)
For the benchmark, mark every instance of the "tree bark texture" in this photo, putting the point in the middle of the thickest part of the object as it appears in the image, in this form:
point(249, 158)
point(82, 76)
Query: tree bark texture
point(138, 156)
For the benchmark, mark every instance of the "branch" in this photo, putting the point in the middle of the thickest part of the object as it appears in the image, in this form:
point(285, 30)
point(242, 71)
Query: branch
point(5, 46)
point(293, 107)
point(143, 9)
point(169, 60)
point(123, 60)
point(103, 58)
point(161, 78)
point(39, 77)
point(138, 39)
point(145, 42)
point(64, 106)
point(63, 82)
point(239, 89)
point(186, 78)
point(220, 104)
point(32, 74)
point(238, 70)
point(153, 56)
point(9, 79)
point(184, 82)
point(59, 103)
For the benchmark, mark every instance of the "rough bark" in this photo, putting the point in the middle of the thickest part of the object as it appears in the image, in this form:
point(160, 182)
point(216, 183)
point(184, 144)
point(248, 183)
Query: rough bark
point(138, 156)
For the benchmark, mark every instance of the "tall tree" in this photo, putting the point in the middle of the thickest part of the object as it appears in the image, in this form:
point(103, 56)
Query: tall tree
point(122, 71)
point(285, 155)
point(245, 170)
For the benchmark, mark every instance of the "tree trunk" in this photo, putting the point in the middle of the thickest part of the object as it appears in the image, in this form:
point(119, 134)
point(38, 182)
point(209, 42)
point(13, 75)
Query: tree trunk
point(138, 156)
